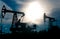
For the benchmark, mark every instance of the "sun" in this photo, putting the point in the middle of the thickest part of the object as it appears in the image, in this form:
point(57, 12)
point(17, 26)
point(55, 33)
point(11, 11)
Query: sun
point(33, 12)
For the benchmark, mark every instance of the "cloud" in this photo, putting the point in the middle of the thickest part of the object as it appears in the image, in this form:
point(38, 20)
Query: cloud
point(11, 3)
point(54, 3)
point(25, 0)
point(56, 14)
point(7, 16)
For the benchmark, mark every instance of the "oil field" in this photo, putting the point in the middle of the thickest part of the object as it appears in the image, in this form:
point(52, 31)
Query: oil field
point(19, 29)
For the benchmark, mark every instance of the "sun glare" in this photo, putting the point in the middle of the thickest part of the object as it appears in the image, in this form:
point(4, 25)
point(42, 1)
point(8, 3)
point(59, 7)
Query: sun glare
point(34, 12)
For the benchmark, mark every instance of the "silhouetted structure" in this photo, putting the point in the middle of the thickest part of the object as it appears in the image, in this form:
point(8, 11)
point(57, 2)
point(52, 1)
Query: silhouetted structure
point(52, 28)
point(15, 19)
point(51, 20)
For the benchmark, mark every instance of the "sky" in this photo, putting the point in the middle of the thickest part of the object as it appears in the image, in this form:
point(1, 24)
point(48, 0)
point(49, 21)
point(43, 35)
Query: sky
point(51, 8)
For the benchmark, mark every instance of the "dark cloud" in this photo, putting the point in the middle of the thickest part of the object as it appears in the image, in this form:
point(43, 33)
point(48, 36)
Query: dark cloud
point(56, 14)
point(54, 3)
point(11, 3)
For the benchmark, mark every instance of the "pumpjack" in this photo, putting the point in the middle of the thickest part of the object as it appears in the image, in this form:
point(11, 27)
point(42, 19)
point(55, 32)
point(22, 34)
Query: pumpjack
point(15, 21)
point(51, 20)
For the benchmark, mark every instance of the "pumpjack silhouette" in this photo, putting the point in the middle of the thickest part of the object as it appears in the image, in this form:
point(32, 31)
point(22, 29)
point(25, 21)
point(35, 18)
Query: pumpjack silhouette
point(52, 28)
point(51, 20)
